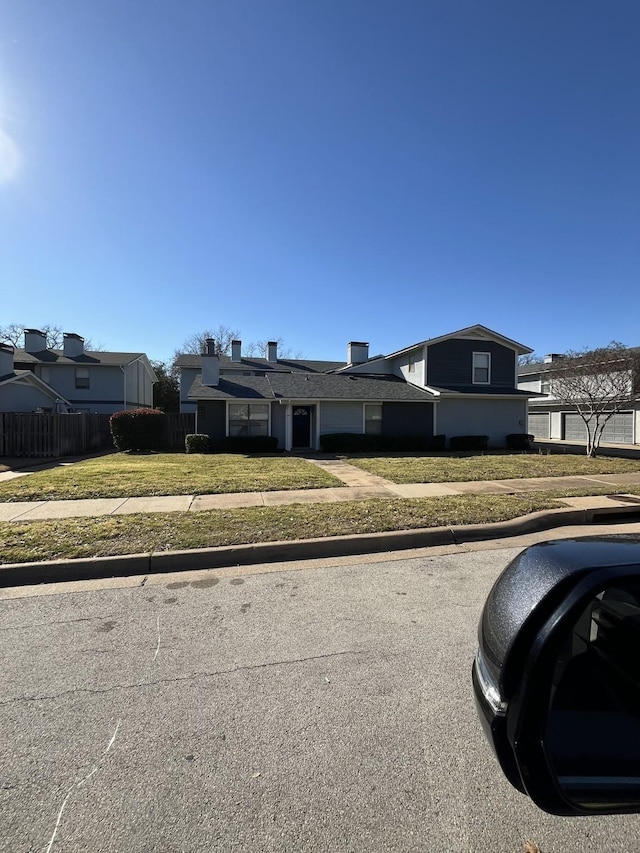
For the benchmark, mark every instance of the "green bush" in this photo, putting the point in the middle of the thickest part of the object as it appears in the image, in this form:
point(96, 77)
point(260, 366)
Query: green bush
point(349, 442)
point(519, 441)
point(137, 429)
point(246, 444)
point(438, 442)
point(469, 442)
point(196, 443)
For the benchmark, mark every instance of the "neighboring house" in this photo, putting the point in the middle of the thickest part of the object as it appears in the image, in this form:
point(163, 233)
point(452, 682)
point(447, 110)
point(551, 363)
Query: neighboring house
point(22, 390)
point(463, 383)
point(39, 379)
point(551, 419)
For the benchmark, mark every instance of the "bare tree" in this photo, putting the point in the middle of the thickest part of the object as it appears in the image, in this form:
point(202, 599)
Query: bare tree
point(530, 358)
point(195, 343)
point(13, 333)
point(597, 384)
point(258, 349)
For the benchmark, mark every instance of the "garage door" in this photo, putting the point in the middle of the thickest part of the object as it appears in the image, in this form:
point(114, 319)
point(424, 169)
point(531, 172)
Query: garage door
point(618, 430)
point(539, 425)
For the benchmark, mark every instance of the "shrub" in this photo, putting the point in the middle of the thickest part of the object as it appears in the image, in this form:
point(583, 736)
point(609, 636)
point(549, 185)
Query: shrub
point(438, 442)
point(519, 441)
point(137, 429)
point(469, 442)
point(247, 444)
point(349, 442)
point(196, 443)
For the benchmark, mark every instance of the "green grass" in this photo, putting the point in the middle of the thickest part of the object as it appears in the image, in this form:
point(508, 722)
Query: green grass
point(131, 534)
point(125, 475)
point(445, 468)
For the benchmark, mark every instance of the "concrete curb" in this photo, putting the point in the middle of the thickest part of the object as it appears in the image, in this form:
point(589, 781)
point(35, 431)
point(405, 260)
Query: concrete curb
point(93, 568)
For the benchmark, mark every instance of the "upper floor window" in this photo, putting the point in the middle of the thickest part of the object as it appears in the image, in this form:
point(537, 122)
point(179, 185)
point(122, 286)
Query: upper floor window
point(481, 368)
point(412, 363)
point(545, 385)
point(82, 377)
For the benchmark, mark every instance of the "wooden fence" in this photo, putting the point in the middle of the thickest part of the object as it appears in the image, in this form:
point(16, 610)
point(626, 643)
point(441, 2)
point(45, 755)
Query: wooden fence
point(27, 434)
point(45, 435)
point(176, 428)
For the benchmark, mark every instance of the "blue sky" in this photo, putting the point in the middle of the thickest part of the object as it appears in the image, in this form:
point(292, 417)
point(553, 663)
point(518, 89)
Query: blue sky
point(321, 170)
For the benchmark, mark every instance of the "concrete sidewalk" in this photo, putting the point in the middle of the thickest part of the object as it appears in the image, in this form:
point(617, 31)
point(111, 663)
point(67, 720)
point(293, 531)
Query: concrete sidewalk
point(359, 485)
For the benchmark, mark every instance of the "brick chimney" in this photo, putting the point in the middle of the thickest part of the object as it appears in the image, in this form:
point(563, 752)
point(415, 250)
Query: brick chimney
point(34, 340)
point(210, 364)
point(6, 359)
point(357, 352)
point(272, 350)
point(73, 345)
point(236, 349)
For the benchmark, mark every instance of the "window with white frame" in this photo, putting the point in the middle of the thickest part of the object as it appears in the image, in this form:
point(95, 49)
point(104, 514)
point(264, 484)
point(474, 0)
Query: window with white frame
point(249, 419)
point(373, 418)
point(481, 368)
point(545, 385)
point(411, 366)
point(82, 377)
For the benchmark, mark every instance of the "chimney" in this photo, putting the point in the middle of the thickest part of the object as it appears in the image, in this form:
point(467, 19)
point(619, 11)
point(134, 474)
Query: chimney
point(553, 356)
point(272, 350)
point(6, 359)
point(236, 347)
point(34, 340)
point(357, 352)
point(73, 345)
point(210, 364)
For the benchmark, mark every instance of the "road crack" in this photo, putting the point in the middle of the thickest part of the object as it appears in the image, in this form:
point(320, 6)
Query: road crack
point(178, 680)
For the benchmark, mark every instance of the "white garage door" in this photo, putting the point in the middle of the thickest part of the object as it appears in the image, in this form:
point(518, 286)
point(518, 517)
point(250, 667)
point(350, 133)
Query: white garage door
point(618, 430)
point(539, 425)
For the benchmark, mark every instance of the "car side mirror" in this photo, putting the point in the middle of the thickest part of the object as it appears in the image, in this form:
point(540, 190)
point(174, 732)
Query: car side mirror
point(557, 674)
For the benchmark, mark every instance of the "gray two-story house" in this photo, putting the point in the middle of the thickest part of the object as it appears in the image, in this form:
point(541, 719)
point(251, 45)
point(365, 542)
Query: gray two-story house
point(462, 383)
point(72, 379)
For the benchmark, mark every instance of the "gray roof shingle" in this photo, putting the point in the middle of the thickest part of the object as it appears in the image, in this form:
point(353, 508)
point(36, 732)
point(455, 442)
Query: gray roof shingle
point(53, 356)
point(285, 365)
point(286, 386)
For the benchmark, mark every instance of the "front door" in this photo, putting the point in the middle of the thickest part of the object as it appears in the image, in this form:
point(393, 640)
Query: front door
point(301, 427)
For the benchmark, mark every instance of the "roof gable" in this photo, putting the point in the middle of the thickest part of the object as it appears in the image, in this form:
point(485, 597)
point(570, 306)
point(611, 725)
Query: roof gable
point(28, 377)
point(476, 333)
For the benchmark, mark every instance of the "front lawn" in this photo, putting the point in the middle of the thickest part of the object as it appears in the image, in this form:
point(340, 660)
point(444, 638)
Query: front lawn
point(134, 534)
point(445, 468)
point(124, 475)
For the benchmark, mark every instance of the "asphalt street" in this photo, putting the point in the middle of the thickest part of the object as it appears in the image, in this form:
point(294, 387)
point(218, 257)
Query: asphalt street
point(307, 707)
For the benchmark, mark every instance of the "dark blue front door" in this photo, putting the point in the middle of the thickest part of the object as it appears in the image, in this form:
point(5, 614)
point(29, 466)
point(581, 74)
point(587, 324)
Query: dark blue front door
point(301, 436)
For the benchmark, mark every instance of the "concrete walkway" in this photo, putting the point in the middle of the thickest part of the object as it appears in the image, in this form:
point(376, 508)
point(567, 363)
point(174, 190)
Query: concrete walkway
point(359, 485)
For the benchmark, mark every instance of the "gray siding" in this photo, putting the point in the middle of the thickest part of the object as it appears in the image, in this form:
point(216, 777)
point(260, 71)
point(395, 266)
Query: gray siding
point(104, 394)
point(213, 420)
point(18, 397)
point(187, 375)
point(139, 385)
point(401, 367)
point(279, 424)
point(450, 364)
point(341, 417)
point(407, 419)
point(495, 418)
